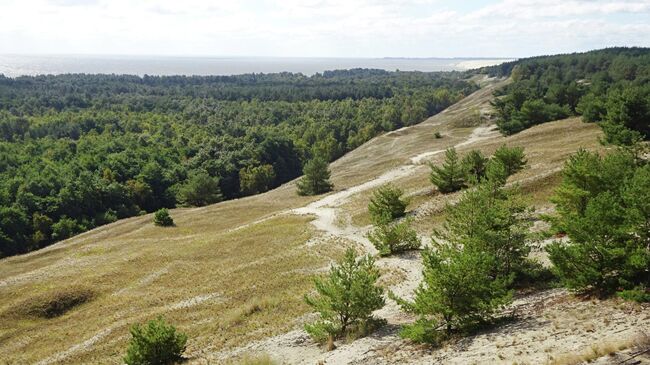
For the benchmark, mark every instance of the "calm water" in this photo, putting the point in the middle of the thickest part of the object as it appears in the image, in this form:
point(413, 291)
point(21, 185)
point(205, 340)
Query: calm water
point(17, 65)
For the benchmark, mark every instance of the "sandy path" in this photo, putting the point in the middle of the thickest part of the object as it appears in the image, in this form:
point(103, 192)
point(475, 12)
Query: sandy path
point(295, 347)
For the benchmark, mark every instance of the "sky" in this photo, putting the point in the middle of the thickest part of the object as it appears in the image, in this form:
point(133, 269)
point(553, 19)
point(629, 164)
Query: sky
point(321, 28)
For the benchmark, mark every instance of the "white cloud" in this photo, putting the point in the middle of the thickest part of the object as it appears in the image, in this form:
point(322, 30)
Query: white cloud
point(417, 28)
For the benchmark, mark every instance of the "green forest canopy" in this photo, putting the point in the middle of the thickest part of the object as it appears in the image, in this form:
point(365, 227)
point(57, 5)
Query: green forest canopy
point(610, 86)
point(78, 151)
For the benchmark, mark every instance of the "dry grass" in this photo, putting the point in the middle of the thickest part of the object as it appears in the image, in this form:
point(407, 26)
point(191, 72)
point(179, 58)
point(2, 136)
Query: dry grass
point(233, 272)
point(223, 289)
point(593, 352)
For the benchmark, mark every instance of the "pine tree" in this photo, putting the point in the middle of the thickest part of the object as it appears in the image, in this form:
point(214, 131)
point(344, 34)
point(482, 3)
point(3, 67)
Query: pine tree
point(386, 204)
point(346, 298)
point(513, 159)
point(602, 205)
point(457, 287)
point(155, 343)
point(493, 220)
point(390, 238)
point(199, 190)
point(450, 176)
point(475, 165)
point(316, 179)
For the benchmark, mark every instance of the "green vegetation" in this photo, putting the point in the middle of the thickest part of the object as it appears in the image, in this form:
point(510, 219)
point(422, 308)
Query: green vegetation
point(449, 177)
point(602, 205)
point(610, 86)
point(390, 238)
point(512, 158)
point(79, 151)
point(456, 174)
point(162, 218)
point(317, 178)
point(457, 292)
point(387, 204)
point(475, 166)
point(470, 270)
point(155, 343)
point(346, 298)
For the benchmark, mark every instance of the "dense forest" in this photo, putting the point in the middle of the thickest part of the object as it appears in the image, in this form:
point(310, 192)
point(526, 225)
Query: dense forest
point(609, 86)
point(79, 151)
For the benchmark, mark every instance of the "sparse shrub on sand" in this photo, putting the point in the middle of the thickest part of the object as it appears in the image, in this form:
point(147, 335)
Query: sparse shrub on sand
point(155, 343)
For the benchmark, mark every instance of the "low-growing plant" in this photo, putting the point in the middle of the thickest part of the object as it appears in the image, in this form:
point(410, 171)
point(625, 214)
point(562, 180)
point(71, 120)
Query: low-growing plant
point(155, 343)
point(457, 293)
point(395, 237)
point(387, 204)
point(346, 297)
point(512, 158)
point(437, 135)
point(162, 218)
point(474, 164)
point(638, 294)
point(450, 176)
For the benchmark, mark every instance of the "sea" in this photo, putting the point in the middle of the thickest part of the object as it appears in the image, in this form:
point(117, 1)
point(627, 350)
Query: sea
point(20, 65)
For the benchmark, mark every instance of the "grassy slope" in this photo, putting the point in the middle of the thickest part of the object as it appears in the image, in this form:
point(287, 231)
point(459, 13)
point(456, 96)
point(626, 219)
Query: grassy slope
point(235, 271)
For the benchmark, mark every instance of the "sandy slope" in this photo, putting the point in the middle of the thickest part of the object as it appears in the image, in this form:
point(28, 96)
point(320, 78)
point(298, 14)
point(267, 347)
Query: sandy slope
point(261, 251)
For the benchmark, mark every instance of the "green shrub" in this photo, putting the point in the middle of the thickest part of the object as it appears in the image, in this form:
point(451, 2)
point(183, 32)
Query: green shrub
point(450, 176)
point(602, 205)
point(162, 218)
point(199, 190)
point(387, 204)
point(457, 292)
point(437, 135)
point(474, 165)
point(258, 179)
point(639, 295)
point(65, 228)
point(513, 159)
point(346, 298)
point(316, 180)
point(155, 343)
point(393, 238)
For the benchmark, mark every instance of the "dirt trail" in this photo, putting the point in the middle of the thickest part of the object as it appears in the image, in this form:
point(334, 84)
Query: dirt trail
point(295, 347)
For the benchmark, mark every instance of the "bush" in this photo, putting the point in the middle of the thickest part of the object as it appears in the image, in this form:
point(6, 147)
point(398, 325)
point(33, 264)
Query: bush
point(602, 205)
point(254, 180)
point(155, 343)
point(437, 135)
point(65, 228)
point(450, 176)
point(316, 180)
point(386, 204)
point(346, 298)
point(457, 288)
point(513, 159)
point(393, 238)
point(475, 165)
point(639, 295)
point(492, 220)
point(162, 218)
point(199, 190)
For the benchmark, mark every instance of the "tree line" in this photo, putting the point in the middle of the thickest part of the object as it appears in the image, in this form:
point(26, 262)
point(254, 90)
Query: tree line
point(609, 86)
point(79, 151)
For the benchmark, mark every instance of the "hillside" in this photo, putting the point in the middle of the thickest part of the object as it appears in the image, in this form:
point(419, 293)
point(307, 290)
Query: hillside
point(232, 275)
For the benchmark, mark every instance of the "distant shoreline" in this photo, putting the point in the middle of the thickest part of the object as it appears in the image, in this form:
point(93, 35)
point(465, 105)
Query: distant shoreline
point(32, 65)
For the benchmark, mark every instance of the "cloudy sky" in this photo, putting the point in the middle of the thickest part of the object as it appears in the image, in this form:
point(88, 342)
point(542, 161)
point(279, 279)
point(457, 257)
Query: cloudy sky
point(321, 28)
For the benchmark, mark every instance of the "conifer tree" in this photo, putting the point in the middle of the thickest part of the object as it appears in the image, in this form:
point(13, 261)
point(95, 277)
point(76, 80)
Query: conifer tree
point(457, 292)
point(475, 165)
point(450, 176)
point(346, 298)
point(394, 237)
point(386, 204)
point(602, 205)
point(512, 158)
point(316, 180)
